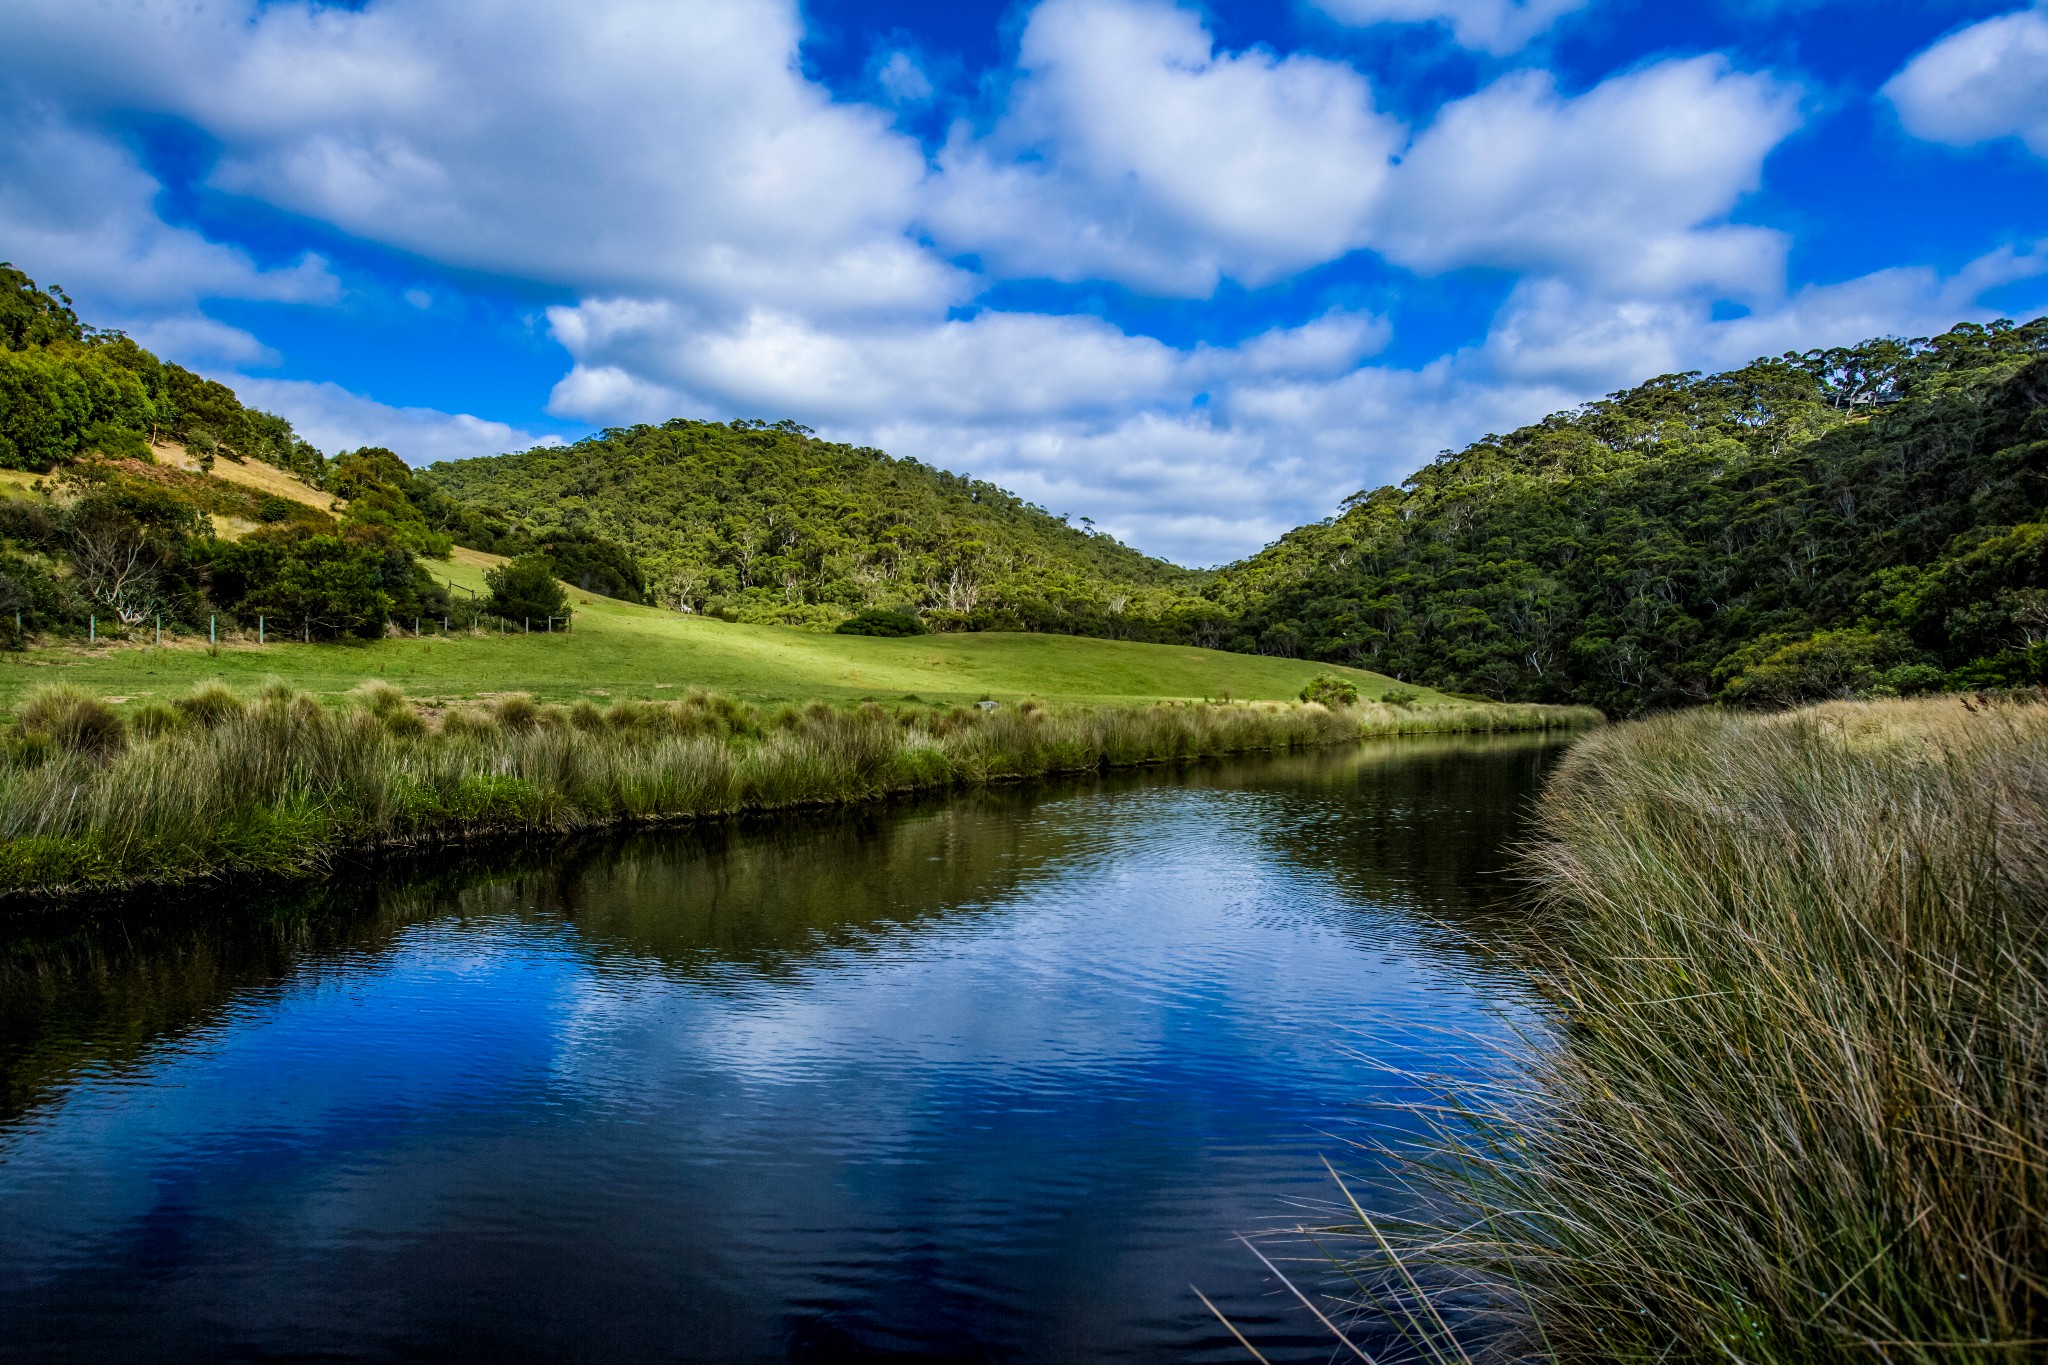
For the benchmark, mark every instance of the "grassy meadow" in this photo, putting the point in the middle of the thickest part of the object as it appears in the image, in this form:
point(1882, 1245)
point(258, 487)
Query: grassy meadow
point(216, 782)
point(619, 649)
point(1791, 1103)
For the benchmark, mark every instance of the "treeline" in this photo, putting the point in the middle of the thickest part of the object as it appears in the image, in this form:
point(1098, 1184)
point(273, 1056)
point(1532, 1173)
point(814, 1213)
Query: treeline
point(1860, 521)
point(124, 543)
point(749, 521)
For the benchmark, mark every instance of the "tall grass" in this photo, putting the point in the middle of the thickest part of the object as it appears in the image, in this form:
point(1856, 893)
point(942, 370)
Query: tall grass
point(1792, 1103)
point(278, 783)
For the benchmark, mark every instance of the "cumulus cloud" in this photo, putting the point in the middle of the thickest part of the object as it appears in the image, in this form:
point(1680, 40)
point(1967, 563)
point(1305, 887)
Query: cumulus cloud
point(995, 369)
point(1987, 81)
point(1495, 26)
point(334, 419)
point(1132, 150)
point(609, 146)
point(1622, 185)
point(77, 209)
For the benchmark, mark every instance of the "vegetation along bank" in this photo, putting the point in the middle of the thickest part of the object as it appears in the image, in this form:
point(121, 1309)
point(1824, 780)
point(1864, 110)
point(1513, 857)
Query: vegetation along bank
point(216, 783)
point(1791, 1100)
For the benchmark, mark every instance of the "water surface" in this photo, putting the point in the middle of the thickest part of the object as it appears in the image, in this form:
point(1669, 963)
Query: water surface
point(993, 1080)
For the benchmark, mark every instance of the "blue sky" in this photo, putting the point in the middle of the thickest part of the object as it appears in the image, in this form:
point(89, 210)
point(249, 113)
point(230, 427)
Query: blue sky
point(1194, 272)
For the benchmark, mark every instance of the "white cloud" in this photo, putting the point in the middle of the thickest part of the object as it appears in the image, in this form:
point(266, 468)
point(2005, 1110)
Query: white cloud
point(903, 80)
point(1987, 81)
point(1496, 26)
point(334, 419)
point(1550, 333)
point(77, 211)
point(1133, 151)
point(616, 145)
point(1623, 185)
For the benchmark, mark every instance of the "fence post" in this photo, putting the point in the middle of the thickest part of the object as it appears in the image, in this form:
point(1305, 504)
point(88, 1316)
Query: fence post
point(213, 630)
point(259, 627)
point(528, 620)
point(92, 630)
point(159, 629)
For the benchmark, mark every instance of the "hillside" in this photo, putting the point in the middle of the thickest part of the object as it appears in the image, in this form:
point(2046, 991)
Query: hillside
point(1866, 520)
point(619, 649)
point(767, 524)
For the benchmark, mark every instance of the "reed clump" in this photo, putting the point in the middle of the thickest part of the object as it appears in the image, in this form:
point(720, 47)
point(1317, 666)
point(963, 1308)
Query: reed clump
point(1792, 1100)
point(217, 783)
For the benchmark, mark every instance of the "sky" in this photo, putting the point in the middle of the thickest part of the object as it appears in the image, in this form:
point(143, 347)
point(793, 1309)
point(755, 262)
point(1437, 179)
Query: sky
point(1194, 272)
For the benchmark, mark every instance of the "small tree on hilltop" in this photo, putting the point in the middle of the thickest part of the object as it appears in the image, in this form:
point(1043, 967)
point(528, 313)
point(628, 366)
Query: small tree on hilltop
point(525, 590)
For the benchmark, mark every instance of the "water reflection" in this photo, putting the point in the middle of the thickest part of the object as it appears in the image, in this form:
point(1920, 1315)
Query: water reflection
point(988, 1080)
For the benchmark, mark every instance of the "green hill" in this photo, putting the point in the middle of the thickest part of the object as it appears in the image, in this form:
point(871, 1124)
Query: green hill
point(766, 524)
point(1872, 519)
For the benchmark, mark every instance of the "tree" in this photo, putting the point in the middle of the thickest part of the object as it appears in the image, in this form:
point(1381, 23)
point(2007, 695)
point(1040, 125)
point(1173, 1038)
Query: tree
point(325, 581)
point(526, 590)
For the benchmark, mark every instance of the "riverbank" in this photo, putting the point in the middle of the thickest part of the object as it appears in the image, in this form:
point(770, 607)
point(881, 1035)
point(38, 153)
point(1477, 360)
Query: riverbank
point(1791, 1104)
point(220, 784)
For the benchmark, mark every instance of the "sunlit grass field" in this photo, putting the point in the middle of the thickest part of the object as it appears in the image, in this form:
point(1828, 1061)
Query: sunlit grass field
point(622, 650)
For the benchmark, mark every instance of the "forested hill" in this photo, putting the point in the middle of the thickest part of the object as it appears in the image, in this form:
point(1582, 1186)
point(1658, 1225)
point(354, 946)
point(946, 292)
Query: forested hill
point(1868, 519)
point(67, 389)
point(766, 523)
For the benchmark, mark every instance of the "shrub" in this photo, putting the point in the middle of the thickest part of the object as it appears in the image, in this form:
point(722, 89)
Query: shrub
point(1403, 697)
point(1330, 690)
point(883, 622)
point(526, 590)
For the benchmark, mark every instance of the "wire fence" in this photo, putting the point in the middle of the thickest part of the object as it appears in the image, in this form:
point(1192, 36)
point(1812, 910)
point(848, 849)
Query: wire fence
point(270, 629)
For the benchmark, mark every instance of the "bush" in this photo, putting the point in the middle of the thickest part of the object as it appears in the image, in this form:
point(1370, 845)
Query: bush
point(526, 590)
point(1403, 697)
point(1330, 690)
point(883, 622)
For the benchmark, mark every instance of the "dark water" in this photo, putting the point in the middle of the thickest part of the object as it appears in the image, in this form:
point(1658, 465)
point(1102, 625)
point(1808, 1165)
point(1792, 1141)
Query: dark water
point(989, 1081)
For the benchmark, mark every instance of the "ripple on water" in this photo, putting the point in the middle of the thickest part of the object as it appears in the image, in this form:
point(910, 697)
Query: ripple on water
point(990, 1080)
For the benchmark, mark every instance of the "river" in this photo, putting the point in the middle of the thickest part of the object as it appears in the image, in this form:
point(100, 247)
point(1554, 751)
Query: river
point(996, 1079)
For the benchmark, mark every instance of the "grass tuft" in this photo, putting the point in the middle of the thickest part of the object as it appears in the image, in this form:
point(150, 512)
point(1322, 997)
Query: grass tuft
point(73, 721)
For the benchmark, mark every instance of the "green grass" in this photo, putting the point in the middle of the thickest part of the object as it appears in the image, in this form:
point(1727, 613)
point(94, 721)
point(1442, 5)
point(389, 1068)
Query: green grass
point(1791, 1104)
point(632, 651)
point(218, 784)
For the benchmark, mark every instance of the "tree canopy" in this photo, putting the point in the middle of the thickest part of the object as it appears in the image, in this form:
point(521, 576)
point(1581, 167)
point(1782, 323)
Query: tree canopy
point(766, 523)
point(1858, 519)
